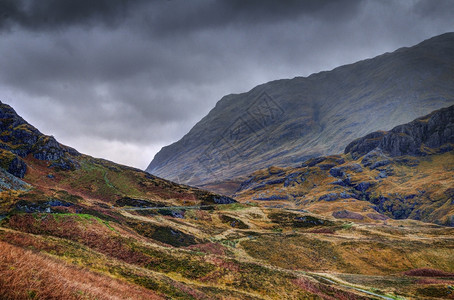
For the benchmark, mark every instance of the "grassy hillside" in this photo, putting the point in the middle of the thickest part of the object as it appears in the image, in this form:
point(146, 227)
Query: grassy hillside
point(76, 227)
point(90, 227)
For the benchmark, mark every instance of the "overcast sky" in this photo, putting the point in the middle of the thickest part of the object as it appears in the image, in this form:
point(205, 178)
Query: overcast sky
point(120, 79)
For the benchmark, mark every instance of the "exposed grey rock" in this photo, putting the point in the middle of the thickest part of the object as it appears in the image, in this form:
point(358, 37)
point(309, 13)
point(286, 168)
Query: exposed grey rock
point(372, 157)
point(382, 174)
point(314, 161)
point(435, 131)
point(345, 195)
point(22, 139)
point(340, 161)
point(340, 171)
point(42, 207)
point(380, 163)
point(326, 166)
point(329, 197)
point(363, 186)
point(345, 182)
point(338, 182)
point(272, 198)
point(450, 221)
point(337, 172)
point(294, 178)
point(11, 182)
point(17, 167)
point(223, 200)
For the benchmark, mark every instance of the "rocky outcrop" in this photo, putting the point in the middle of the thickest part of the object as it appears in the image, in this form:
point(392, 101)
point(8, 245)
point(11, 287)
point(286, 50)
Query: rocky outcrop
point(17, 167)
point(433, 133)
point(18, 139)
point(10, 182)
point(340, 171)
point(398, 187)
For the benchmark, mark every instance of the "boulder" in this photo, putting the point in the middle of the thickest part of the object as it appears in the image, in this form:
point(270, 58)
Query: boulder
point(223, 200)
point(363, 186)
point(337, 172)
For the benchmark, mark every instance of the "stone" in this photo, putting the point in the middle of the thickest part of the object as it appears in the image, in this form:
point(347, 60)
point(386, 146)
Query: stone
point(363, 186)
point(337, 172)
point(223, 200)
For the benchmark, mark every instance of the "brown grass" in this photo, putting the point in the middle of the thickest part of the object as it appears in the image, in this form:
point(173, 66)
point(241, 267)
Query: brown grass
point(326, 291)
point(25, 274)
point(425, 272)
point(94, 235)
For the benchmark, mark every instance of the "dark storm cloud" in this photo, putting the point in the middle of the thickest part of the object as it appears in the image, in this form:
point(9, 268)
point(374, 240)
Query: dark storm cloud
point(46, 14)
point(165, 15)
point(120, 79)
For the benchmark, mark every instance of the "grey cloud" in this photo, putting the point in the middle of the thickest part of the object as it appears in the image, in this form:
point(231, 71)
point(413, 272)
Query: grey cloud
point(48, 14)
point(164, 15)
point(138, 74)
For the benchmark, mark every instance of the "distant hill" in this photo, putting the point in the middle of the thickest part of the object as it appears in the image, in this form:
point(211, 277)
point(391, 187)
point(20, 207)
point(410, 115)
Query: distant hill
point(407, 172)
point(285, 122)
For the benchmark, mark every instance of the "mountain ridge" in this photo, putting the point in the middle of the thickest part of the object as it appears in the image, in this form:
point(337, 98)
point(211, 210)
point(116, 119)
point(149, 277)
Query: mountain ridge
point(315, 116)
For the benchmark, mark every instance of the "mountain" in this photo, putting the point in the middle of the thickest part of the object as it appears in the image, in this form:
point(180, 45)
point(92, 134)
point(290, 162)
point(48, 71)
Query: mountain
point(77, 227)
point(407, 172)
point(285, 122)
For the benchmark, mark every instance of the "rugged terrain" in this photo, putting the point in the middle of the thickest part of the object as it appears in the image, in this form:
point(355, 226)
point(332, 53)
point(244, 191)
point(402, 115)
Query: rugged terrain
point(286, 122)
point(76, 227)
point(407, 172)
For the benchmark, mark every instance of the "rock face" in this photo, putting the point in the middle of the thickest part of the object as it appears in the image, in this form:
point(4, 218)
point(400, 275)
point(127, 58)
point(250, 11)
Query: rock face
point(285, 122)
point(19, 139)
point(412, 181)
point(429, 134)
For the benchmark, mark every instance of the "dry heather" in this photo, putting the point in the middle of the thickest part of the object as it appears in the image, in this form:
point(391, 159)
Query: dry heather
point(25, 274)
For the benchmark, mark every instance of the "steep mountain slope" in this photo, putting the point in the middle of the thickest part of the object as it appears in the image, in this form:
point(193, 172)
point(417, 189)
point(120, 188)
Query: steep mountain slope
point(407, 172)
point(285, 122)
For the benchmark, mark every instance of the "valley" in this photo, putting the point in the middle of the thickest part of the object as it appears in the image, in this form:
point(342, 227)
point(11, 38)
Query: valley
point(339, 185)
